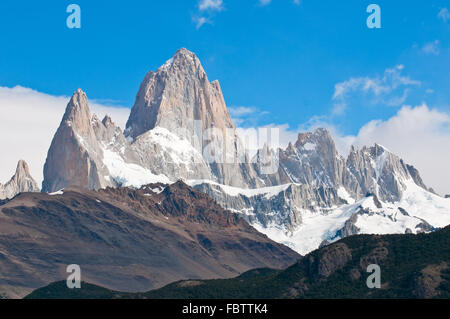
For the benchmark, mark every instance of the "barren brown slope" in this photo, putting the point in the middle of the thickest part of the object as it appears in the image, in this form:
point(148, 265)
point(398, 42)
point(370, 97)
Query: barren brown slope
point(128, 240)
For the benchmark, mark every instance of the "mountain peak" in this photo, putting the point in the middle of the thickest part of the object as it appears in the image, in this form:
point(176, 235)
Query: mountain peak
point(184, 53)
point(175, 96)
point(21, 182)
point(381, 149)
point(184, 61)
point(107, 121)
point(22, 169)
point(78, 99)
point(319, 136)
point(75, 150)
point(77, 111)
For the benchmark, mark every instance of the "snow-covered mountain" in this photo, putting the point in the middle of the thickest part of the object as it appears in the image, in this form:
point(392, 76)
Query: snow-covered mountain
point(22, 181)
point(179, 128)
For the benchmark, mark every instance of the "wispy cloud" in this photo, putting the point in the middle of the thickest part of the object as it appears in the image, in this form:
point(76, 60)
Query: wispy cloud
point(213, 5)
point(206, 11)
point(431, 48)
point(444, 14)
point(241, 110)
point(297, 2)
point(382, 89)
point(200, 21)
point(246, 116)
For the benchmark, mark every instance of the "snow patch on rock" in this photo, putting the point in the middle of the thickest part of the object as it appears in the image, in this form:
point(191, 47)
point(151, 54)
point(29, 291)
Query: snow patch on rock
point(268, 192)
point(127, 174)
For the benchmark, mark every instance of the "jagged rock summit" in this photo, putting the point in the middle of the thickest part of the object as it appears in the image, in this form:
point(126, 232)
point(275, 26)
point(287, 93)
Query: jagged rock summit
point(75, 155)
point(175, 96)
point(21, 182)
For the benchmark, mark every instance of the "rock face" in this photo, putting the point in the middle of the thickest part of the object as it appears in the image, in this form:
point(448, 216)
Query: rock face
point(21, 182)
point(175, 96)
point(127, 239)
point(313, 161)
point(75, 156)
point(378, 171)
point(278, 206)
point(304, 196)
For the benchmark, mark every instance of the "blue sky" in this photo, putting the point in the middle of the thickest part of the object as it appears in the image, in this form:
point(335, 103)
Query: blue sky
point(281, 58)
point(283, 62)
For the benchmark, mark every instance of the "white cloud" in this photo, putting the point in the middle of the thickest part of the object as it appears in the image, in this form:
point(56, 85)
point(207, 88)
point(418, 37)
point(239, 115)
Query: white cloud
point(431, 48)
point(237, 111)
point(381, 89)
point(297, 2)
point(213, 5)
point(444, 14)
point(29, 120)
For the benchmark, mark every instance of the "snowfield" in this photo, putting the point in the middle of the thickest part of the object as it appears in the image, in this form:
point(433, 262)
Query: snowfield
point(318, 227)
point(180, 150)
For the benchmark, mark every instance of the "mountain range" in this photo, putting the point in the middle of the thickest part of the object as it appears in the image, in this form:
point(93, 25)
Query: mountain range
point(304, 196)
